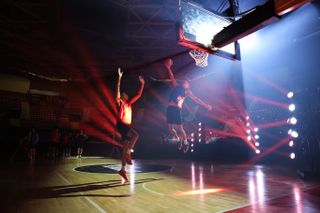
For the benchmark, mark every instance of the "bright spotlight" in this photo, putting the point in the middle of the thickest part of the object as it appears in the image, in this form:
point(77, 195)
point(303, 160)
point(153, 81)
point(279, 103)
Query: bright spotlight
point(294, 134)
point(256, 129)
point(192, 150)
point(248, 124)
point(192, 145)
point(132, 150)
point(292, 155)
point(248, 131)
point(293, 121)
point(249, 138)
point(199, 140)
point(199, 135)
point(247, 118)
point(292, 107)
point(290, 94)
point(199, 123)
point(290, 131)
point(291, 143)
point(192, 134)
point(257, 144)
point(192, 139)
point(199, 129)
point(258, 151)
point(256, 137)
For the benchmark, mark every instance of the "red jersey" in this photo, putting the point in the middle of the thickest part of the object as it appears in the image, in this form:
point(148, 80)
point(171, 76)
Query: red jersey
point(125, 113)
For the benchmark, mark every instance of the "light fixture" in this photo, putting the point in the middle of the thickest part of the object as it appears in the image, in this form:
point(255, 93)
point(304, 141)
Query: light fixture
point(294, 134)
point(292, 121)
point(291, 143)
point(290, 94)
point(292, 107)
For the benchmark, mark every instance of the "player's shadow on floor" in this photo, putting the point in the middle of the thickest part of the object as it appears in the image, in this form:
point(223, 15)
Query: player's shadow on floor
point(80, 190)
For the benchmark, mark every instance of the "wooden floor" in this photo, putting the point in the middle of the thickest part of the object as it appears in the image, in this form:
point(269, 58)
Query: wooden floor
point(54, 186)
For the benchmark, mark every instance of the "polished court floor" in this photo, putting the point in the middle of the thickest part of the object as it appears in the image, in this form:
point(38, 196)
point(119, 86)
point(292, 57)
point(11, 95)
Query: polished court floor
point(181, 186)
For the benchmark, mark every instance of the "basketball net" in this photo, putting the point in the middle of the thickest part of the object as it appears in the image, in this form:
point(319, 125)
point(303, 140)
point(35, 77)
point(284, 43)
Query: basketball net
point(200, 57)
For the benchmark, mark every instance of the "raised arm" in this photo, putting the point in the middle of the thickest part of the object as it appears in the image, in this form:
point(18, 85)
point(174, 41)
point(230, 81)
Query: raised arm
point(198, 100)
point(168, 63)
point(120, 73)
point(135, 98)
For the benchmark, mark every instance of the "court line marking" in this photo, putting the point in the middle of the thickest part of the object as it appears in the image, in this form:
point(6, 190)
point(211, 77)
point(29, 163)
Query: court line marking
point(151, 191)
point(94, 204)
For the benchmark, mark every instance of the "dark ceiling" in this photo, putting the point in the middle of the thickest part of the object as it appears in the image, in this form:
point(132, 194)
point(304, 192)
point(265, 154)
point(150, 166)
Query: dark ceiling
point(53, 37)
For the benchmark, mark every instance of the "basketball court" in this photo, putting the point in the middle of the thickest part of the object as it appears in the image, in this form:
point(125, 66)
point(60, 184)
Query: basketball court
point(92, 185)
point(248, 152)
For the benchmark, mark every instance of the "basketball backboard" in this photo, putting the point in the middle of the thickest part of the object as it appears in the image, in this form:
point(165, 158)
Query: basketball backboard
point(198, 26)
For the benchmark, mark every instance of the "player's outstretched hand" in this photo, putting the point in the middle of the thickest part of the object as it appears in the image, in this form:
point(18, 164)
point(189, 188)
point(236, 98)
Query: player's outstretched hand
point(120, 73)
point(141, 79)
point(168, 62)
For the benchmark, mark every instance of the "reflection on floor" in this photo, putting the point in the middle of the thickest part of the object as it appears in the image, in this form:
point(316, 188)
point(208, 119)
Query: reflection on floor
point(54, 186)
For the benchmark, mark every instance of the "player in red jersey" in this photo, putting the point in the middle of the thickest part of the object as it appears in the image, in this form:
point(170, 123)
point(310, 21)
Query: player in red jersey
point(124, 121)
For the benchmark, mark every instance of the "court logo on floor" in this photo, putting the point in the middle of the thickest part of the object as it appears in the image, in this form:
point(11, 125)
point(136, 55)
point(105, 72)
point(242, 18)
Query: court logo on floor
point(114, 168)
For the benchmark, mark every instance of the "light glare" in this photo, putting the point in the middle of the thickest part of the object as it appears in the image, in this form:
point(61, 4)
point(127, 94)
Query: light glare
point(290, 94)
point(293, 121)
point(291, 143)
point(294, 134)
point(292, 107)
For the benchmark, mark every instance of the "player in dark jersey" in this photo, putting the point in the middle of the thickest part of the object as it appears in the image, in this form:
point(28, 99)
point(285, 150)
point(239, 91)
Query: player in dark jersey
point(177, 97)
point(128, 135)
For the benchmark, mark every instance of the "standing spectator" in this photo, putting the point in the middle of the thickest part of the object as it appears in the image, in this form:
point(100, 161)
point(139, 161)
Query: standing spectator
point(33, 140)
point(54, 143)
point(65, 142)
point(80, 139)
point(72, 142)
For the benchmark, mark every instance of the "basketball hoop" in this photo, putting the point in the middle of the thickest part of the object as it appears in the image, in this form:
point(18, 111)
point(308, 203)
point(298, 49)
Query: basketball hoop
point(200, 57)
